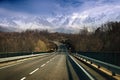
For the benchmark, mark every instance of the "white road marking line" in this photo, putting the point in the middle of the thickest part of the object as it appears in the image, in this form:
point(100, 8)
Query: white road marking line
point(43, 65)
point(47, 62)
point(91, 78)
point(23, 78)
point(20, 62)
point(34, 71)
point(50, 59)
point(10, 65)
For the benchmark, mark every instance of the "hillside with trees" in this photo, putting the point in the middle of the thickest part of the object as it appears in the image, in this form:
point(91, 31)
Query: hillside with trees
point(28, 41)
point(105, 38)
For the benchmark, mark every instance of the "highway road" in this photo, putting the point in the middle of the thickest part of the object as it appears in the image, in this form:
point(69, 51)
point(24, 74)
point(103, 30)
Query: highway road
point(54, 66)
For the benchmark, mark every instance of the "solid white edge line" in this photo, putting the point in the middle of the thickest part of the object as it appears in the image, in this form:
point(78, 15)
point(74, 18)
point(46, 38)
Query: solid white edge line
point(23, 78)
point(20, 62)
point(34, 71)
point(42, 65)
point(7, 66)
point(83, 69)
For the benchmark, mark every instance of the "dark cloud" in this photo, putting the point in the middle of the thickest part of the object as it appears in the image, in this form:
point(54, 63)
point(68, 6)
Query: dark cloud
point(12, 1)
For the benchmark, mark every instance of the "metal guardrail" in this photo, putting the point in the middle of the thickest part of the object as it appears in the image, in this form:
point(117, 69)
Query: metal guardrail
point(113, 68)
point(80, 71)
point(8, 59)
point(108, 57)
point(13, 54)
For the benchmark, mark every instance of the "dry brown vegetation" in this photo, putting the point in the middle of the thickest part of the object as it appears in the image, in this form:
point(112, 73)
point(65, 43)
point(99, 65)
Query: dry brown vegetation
point(104, 38)
point(25, 41)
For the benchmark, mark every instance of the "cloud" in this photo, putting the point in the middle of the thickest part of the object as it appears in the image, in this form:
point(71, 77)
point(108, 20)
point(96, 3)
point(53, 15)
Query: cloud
point(9, 13)
point(98, 14)
point(61, 14)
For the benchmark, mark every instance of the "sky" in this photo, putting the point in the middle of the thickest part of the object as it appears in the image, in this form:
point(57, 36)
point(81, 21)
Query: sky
point(58, 13)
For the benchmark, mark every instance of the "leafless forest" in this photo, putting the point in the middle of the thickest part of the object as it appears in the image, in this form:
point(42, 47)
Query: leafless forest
point(105, 38)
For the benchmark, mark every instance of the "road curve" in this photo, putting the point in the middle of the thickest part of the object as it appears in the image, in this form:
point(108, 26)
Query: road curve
point(54, 66)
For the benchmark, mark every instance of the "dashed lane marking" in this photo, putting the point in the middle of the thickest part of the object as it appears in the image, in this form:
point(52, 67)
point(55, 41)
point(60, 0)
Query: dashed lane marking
point(23, 78)
point(47, 62)
point(37, 69)
point(34, 71)
point(50, 59)
point(43, 65)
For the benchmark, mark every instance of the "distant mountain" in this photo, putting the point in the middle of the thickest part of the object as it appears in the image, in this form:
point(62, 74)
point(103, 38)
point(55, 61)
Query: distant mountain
point(2, 29)
point(6, 29)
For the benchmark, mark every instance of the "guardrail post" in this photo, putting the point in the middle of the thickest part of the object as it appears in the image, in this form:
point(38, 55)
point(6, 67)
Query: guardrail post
point(90, 62)
point(113, 73)
point(98, 66)
point(81, 58)
point(115, 69)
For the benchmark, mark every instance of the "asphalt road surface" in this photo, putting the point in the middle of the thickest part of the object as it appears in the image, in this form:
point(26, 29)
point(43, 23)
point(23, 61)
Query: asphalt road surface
point(53, 66)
